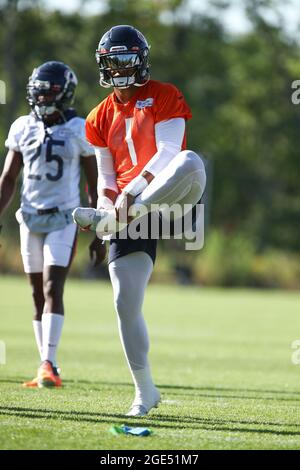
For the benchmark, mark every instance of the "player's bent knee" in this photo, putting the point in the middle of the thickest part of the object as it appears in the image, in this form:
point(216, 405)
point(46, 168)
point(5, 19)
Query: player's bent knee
point(191, 160)
point(52, 290)
point(192, 166)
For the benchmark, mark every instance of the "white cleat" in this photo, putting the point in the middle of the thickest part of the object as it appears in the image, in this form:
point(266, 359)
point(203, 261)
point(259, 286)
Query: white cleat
point(101, 221)
point(85, 217)
point(141, 409)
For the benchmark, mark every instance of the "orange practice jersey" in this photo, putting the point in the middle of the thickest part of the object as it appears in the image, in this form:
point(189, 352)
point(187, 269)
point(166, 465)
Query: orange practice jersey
point(128, 129)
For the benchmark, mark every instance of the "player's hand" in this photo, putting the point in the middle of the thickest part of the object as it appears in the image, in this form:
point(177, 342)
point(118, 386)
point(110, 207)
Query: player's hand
point(122, 207)
point(97, 251)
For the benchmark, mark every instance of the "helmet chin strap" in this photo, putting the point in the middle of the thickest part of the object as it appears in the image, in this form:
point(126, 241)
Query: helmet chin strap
point(142, 84)
point(43, 112)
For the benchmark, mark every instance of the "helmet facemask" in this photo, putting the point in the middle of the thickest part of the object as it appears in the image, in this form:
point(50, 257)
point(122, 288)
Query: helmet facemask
point(46, 97)
point(121, 69)
point(47, 106)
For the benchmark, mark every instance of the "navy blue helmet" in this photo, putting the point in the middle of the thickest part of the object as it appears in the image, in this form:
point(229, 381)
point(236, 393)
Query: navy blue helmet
point(123, 58)
point(51, 88)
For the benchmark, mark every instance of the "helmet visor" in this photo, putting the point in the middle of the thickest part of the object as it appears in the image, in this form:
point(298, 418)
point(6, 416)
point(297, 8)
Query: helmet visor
point(44, 88)
point(119, 61)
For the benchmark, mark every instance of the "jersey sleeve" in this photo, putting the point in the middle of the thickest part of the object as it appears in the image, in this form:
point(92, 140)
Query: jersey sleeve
point(85, 148)
point(170, 103)
point(15, 133)
point(93, 129)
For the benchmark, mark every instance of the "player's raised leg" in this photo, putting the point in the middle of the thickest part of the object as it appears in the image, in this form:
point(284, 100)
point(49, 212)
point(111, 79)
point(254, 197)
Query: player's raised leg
point(183, 178)
point(183, 181)
point(129, 276)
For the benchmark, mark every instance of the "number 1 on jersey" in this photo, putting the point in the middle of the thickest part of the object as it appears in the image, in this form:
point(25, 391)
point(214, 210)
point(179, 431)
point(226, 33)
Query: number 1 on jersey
point(128, 138)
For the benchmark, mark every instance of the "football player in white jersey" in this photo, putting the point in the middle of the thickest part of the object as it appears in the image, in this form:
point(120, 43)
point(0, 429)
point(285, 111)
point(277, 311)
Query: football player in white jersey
point(49, 145)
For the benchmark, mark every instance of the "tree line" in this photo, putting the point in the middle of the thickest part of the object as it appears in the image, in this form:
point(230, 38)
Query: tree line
point(238, 86)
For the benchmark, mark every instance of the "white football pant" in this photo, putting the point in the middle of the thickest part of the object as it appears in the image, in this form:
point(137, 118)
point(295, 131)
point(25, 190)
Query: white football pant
point(47, 249)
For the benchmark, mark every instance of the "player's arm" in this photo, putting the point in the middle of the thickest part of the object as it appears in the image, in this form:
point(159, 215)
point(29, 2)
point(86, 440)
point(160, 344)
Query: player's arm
point(107, 183)
point(12, 167)
point(106, 194)
point(169, 136)
point(90, 170)
point(107, 187)
point(97, 249)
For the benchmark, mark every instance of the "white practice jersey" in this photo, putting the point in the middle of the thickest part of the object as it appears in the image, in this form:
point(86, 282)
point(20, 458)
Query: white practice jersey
point(51, 159)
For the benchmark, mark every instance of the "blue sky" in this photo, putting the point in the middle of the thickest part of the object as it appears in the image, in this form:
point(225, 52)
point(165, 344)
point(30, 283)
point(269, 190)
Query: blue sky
point(234, 19)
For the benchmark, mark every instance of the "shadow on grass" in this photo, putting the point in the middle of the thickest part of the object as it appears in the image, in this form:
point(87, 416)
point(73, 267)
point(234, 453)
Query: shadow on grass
point(156, 421)
point(202, 392)
point(185, 388)
point(219, 392)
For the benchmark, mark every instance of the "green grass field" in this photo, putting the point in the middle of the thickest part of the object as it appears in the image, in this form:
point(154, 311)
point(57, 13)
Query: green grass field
point(221, 358)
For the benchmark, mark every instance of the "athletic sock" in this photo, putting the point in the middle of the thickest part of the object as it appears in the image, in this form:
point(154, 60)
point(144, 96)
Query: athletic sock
point(52, 327)
point(145, 391)
point(38, 334)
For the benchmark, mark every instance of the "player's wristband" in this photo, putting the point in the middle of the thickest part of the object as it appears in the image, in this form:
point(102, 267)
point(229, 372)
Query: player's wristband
point(136, 186)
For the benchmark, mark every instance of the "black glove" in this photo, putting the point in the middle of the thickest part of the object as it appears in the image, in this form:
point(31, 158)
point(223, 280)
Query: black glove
point(97, 251)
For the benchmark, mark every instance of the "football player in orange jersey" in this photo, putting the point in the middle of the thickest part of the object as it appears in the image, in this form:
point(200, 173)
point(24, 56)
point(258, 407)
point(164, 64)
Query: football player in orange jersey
point(138, 133)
